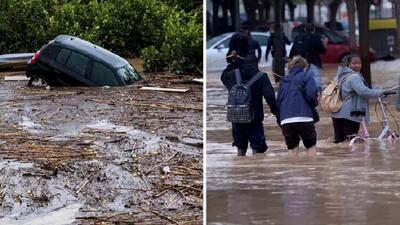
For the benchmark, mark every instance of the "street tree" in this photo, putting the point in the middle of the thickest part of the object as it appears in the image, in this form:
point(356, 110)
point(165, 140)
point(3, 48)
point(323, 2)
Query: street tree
point(280, 65)
point(397, 13)
point(363, 7)
point(310, 7)
point(351, 11)
point(333, 8)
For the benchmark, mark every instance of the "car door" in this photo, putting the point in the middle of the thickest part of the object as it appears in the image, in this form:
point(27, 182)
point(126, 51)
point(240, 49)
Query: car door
point(216, 55)
point(337, 47)
point(72, 67)
point(262, 39)
point(103, 75)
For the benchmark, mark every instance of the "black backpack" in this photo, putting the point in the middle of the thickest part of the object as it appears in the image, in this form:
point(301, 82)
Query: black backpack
point(239, 108)
point(301, 46)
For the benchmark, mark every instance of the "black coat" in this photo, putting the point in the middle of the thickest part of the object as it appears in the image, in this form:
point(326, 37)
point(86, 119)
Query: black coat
point(314, 50)
point(261, 88)
point(271, 45)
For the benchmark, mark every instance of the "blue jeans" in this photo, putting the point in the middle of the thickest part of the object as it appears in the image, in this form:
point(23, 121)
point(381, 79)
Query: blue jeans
point(315, 72)
point(253, 132)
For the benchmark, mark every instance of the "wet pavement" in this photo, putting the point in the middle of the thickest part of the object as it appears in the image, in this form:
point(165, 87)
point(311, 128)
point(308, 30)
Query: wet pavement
point(75, 155)
point(342, 185)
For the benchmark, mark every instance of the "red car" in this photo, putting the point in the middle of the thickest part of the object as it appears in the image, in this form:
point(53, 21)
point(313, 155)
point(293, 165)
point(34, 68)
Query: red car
point(338, 45)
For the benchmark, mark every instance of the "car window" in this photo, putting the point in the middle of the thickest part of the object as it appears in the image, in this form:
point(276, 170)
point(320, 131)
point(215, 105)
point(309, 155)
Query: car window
point(103, 75)
point(214, 40)
point(224, 43)
point(78, 63)
point(63, 56)
point(128, 74)
point(50, 51)
point(261, 39)
point(334, 38)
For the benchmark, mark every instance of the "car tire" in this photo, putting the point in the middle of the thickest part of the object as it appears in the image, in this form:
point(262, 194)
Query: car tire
point(38, 81)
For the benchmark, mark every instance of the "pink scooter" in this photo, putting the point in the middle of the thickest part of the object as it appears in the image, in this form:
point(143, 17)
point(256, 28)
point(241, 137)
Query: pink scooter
point(387, 132)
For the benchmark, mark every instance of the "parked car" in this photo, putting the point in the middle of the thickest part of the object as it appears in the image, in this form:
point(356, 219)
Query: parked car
point(341, 27)
point(69, 60)
point(218, 46)
point(338, 45)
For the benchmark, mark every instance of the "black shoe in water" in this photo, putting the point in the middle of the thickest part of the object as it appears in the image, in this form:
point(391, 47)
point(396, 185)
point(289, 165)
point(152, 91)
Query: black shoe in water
point(337, 140)
point(241, 152)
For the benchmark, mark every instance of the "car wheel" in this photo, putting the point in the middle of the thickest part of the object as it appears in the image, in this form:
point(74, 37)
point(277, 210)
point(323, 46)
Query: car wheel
point(38, 81)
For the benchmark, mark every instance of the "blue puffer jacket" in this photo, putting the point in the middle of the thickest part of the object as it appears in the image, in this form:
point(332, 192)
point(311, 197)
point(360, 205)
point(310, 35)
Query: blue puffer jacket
point(290, 102)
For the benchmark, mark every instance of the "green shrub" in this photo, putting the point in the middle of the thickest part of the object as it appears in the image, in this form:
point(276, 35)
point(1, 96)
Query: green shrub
point(133, 25)
point(186, 5)
point(164, 34)
point(77, 20)
point(24, 28)
point(181, 48)
point(153, 59)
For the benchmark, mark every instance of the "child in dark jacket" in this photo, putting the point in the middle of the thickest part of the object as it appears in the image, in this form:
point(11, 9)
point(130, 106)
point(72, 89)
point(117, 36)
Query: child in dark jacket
point(297, 99)
point(253, 132)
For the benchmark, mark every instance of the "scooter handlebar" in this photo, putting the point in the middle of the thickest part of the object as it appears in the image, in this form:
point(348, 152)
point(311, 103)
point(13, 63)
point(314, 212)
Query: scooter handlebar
point(389, 92)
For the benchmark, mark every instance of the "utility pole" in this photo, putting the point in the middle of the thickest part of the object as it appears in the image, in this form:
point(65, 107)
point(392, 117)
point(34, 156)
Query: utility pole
point(279, 66)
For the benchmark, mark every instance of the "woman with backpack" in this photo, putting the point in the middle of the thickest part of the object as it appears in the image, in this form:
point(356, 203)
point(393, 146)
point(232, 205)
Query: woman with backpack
point(296, 102)
point(354, 94)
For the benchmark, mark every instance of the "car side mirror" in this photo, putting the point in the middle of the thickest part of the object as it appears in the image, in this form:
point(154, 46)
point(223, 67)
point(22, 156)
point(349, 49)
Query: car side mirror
point(220, 46)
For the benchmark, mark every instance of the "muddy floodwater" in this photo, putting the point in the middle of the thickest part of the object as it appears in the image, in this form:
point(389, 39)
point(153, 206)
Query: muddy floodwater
point(73, 155)
point(342, 185)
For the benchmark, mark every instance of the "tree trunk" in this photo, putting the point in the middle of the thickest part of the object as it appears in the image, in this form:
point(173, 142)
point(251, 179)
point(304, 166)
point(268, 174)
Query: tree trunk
point(250, 7)
point(351, 11)
point(397, 12)
point(292, 6)
point(310, 11)
point(216, 4)
point(278, 56)
point(363, 18)
point(266, 8)
point(333, 8)
point(235, 14)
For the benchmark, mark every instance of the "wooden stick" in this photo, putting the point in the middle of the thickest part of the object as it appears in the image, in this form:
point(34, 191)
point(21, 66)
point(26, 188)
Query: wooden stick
point(161, 164)
point(82, 186)
point(180, 90)
point(159, 214)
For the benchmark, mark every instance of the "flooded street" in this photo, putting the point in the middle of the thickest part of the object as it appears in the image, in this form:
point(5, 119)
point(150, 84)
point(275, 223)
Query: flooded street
point(340, 186)
point(76, 155)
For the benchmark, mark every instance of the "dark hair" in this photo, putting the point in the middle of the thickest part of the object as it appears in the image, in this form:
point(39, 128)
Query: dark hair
point(348, 58)
point(240, 43)
point(309, 28)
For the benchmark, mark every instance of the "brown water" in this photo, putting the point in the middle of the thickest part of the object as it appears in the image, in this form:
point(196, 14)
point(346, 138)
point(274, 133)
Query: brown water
point(339, 186)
